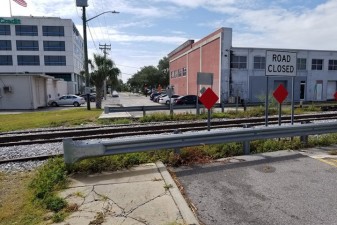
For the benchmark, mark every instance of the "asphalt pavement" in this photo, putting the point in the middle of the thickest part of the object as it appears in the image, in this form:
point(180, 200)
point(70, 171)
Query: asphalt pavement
point(279, 188)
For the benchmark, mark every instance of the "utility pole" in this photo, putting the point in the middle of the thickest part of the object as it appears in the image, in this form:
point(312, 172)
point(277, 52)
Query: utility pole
point(104, 48)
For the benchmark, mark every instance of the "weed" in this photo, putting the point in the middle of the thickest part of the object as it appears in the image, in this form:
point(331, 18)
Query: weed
point(72, 207)
point(168, 186)
point(58, 217)
point(99, 219)
point(55, 203)
point(79, 194)
point(104, 197)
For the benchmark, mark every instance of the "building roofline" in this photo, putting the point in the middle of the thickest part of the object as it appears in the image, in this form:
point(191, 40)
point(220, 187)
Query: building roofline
point(181, 47)
point(283, 49)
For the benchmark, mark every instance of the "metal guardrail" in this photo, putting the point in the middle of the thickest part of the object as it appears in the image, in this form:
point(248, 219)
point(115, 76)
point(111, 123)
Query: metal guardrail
point(109, 109)
point(80, 150)
point(145, 108)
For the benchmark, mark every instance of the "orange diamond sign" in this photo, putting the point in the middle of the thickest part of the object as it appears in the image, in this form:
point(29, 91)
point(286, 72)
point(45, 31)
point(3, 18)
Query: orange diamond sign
point(208, 98)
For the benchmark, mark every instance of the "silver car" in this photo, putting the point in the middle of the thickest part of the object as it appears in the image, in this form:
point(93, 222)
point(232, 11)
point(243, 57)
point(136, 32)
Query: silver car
point(68, 100)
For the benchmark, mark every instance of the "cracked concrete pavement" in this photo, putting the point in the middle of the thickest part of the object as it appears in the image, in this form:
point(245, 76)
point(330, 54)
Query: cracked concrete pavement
point(144, 194)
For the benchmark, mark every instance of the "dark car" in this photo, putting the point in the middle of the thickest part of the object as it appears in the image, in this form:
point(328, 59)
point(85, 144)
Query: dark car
point(154, 94)
point(92, 97)
point(186, 100)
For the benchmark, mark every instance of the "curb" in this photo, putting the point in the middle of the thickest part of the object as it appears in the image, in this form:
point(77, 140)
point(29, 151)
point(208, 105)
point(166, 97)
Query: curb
point(183, 207)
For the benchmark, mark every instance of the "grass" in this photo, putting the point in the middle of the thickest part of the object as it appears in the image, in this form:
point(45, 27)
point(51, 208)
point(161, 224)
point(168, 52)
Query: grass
point(16, 206)
point(11, 122)
point(72, 117)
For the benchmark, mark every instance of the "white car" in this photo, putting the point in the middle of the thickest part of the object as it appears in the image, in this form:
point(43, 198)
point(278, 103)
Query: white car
point(68, 100)
point(166, 99)
point(115, 94)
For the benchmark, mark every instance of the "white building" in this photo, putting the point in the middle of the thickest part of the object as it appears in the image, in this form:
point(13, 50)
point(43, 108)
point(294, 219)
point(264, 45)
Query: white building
point(50, 47)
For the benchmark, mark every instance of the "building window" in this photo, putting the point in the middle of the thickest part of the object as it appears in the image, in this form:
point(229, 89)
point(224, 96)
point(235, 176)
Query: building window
point(184, 71)
point(5, 45)
point(332, 64)
point(54, 45)
point(53, 31)
point(239, 62)
point(27, 45)
point(301, 64)
point(5, 30)
point(6, 60)
point(54, 60)
point(259, 62)
point(317, 64)
point(65, 77)
point(25, 30)
point(180, 72)
point(28, 60)
point(172, 74)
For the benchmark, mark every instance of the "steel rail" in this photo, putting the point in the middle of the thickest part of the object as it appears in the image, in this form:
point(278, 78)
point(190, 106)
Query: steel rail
point(112, 132)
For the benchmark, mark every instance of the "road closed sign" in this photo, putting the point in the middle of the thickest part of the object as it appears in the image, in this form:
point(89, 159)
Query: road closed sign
point(280, 63)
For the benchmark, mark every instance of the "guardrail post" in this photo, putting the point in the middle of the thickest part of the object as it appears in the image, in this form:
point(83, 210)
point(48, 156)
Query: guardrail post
point(177, 150)
point(244, 105)
point(106, 110)
point(304, 138)
point(222, 105)
point(144, 112)
point(246, 144)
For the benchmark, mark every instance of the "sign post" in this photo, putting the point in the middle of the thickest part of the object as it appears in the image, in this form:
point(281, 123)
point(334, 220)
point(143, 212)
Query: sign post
point(280, 94)
point(169, 92)
point(279, 63)
point(203, 79)
point(208, 99)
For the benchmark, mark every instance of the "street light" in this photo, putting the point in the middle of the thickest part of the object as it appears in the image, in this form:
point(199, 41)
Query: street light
point(83, 4)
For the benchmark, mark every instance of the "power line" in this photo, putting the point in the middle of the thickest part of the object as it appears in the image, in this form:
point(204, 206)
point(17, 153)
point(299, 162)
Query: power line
point(92, 37)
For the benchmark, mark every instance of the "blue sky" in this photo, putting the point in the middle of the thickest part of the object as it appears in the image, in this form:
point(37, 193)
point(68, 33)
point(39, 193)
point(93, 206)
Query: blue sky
point(147, 30)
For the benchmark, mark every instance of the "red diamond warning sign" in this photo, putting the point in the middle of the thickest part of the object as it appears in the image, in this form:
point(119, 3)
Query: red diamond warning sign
point(335, 95)
point(208, 98)
point(280, 94)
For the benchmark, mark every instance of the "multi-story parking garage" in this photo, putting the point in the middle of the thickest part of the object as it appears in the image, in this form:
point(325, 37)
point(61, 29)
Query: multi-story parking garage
point(240, 71)
point(43, 48)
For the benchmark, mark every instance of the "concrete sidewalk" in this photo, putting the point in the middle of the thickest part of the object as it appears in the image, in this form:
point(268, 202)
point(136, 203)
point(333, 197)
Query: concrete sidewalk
point(144, 194)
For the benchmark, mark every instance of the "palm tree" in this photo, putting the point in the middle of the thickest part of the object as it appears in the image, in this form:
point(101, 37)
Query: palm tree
point(104, 69)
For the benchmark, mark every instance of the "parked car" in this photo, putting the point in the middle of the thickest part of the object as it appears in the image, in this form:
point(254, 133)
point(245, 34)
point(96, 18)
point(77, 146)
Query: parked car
point(166, 99)
point(92, 97)
point(186, 100)
point(156, 98)
point(68, 100)
point(154, 94)
point(115, 94)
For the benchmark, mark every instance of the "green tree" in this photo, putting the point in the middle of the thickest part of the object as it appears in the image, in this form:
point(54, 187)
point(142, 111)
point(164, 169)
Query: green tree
point(164, 73)
point(104, 69)
point(151, 76)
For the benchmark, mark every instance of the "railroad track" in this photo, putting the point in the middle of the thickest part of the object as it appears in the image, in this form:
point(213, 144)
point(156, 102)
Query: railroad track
point(99, 132)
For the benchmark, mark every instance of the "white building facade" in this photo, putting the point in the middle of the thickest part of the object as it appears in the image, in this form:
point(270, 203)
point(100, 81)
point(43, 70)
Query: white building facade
point(49, 46)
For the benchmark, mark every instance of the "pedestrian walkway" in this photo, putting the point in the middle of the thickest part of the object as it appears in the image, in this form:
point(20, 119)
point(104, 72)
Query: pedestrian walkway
point(144, 194)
